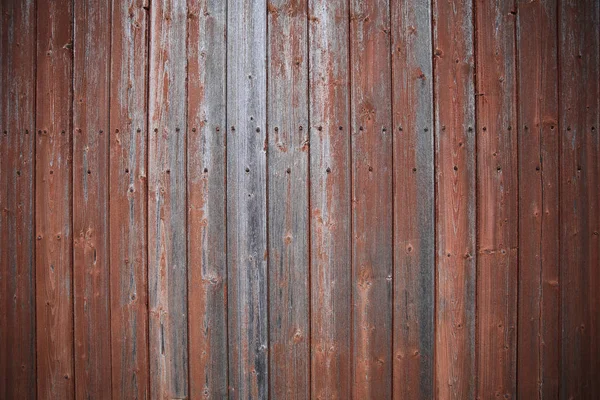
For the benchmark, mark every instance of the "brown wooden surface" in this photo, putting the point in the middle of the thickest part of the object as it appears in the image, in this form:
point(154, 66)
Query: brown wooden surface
point(361, 199)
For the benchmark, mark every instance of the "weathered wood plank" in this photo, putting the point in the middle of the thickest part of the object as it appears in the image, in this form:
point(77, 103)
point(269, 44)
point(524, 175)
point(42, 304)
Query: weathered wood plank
point(330, 235)
point(497, 196)
point(90, 199)
point(247, 199)
point(538, 328)
point(372, 198)
point(53, 203)
point(207, 251)
point(455, 202)
point(17, 246)
point(288, 229)
point(414, 235)
point(167, 208)
point(579, 195)
point(128, 200)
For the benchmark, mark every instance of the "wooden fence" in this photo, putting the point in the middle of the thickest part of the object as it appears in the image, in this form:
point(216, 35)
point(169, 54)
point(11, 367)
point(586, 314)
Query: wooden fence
point(325, 199)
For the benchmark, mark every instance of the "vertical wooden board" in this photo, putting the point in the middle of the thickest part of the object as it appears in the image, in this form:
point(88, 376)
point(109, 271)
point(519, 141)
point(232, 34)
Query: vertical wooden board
point(497, 191)
point(579, 258)
point(128, 200)
point(90, 199)
point(167, 209)
point(288, 229)
point(455, 199)
point(207, 251)
point(538, 329)
point(372, 207)
point(246, 199)
point(414, 235)
point(17, 124)
point(53, 204)
point(330, 225)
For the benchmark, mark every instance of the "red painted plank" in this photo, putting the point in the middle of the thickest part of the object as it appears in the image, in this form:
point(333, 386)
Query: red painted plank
point(53, 205)
point(90, 200)
point(207, 251)
point(455, 203)
point(128, 200)
point(538, 328)
point(17, 144)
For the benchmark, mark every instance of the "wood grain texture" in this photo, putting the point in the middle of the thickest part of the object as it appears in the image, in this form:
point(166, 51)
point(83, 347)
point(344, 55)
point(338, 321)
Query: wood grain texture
point(247, 199)
point(207, 251)
point(128, 200)
point(455, 199)
point(372, 203)
point(579, 196)
point(330, 225)
point(167, 202)
point(538, 328)
point(17, 186)
point(53, 202)
point(90, 200)
point(288, 194)
point(414, 235)
point(497, 196)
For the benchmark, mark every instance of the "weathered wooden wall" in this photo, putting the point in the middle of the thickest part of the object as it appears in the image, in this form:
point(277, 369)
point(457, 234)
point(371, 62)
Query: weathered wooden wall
point(326, 199)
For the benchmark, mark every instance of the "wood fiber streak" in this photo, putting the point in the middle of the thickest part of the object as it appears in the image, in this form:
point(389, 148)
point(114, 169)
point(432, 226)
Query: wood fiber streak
point(288, 220)
point(167, 208)
point(17, 186)
point(579, 199)
point(538, 328)
point(128, 200)
point(414, 234)
point(53, 201)
point(455, 200)
point(247, 199)
point(90, 200)
point(207, 251)
point(330, 245)
point(372, 201)
point(497, 196)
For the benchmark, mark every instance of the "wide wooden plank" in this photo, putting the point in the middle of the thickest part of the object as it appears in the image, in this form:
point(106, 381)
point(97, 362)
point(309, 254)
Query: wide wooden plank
point(53, 203)
point(414, 235)
point(372, 202)
point(538, 328)
point(497, 191)
point(330, 226)
point(288, 229)
point(579, 195)
point(128, 200)
point(90, 200)
point(167, 208)
point(247, 198)
point(455, 199)
point(207, 251)
point(17, 246)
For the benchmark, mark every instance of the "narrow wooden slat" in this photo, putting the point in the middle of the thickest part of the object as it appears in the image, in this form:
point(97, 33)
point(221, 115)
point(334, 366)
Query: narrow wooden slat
point(90, 200)
point(414, 235)
point(246, 199)
point(288, 229)
point(17, 275)
point(167, 209)
point(330, 241)
point(207, 249)
point(372, 202)
point(53, 203)
point(455, 199)
point(128, 200)
point(497, 191)
point(579, 195)
point(538, 328)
